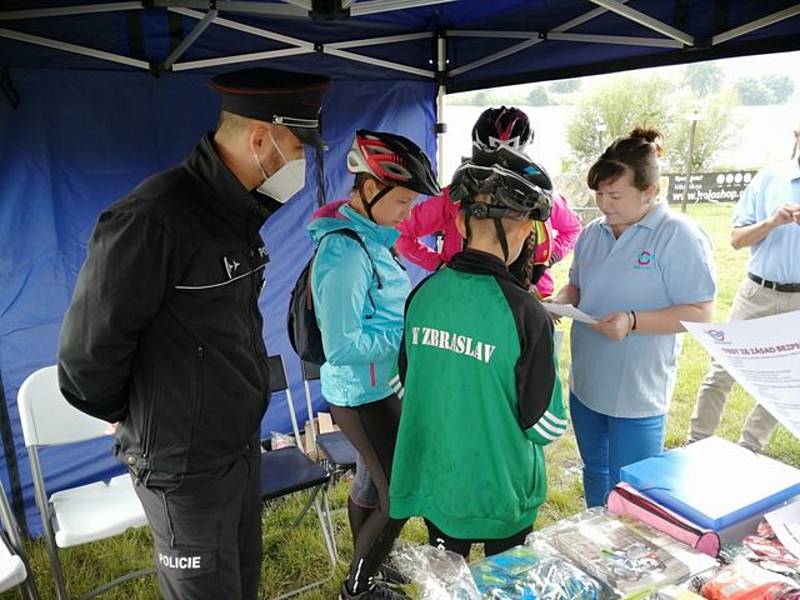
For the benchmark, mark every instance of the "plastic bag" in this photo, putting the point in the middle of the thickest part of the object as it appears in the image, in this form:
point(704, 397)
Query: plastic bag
point(279, 440)
point(435, 574)
point(742, 580)
point(629, 561)
point(521, 573)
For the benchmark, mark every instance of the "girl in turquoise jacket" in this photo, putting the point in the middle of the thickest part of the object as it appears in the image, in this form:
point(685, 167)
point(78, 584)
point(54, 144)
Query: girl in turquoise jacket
point(359, 291)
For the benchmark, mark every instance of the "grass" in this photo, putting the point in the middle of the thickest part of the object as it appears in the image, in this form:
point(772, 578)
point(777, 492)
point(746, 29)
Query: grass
point(295, 557)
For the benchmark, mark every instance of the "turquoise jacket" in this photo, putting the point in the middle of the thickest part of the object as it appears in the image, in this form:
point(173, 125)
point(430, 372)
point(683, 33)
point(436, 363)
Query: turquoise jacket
point(361, 320)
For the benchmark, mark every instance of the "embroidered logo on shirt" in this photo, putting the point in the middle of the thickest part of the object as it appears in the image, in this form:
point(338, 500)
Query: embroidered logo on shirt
point(645, 259)
point(231, 266)
point(453, 342)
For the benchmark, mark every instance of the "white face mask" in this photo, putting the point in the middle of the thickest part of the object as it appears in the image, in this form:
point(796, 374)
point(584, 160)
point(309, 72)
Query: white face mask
point(286, 181)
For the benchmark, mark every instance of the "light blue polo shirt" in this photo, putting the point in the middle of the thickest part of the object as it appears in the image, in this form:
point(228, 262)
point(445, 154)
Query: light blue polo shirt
point(777, 256)
point(663, 260)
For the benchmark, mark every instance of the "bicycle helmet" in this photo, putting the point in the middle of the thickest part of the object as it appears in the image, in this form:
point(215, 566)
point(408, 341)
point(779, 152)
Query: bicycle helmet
point(517, 187)
point(394, 161)
point(504, 126)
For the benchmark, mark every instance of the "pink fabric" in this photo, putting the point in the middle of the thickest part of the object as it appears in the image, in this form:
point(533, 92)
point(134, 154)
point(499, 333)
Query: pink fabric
point(566, 225)
point(625, 500)
point(439, 214)
point(329, 210)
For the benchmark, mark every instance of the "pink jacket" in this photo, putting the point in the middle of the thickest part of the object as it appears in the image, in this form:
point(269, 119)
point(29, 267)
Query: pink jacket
point(439, 214)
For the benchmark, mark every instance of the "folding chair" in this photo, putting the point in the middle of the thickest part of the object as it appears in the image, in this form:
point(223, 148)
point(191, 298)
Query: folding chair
point(289, 470)
point(340, 456)
point(78, 515)
point(14, 568)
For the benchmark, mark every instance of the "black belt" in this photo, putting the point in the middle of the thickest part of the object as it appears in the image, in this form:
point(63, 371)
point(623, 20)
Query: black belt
point(778, 287)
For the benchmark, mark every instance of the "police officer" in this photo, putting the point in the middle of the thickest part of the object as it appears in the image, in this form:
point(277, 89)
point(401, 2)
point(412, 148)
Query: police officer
point(163, 337)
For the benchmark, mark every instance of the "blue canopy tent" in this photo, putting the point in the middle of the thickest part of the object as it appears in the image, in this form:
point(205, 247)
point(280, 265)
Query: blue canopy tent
point(96, 96)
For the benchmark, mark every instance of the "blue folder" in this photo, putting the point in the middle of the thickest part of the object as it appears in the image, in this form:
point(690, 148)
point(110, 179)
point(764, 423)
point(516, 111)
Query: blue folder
point(713, 482)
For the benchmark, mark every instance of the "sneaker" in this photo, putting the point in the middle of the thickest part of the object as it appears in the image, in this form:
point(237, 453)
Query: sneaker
point(374, 592)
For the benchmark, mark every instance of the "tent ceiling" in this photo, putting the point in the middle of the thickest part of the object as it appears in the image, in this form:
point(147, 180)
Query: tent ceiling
point(484, 43)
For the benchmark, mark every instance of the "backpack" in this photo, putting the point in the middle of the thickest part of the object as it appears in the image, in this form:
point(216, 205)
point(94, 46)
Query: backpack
point(304, 334)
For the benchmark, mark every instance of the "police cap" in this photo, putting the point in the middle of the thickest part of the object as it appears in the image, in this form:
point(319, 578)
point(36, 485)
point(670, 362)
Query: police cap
point(274, 96)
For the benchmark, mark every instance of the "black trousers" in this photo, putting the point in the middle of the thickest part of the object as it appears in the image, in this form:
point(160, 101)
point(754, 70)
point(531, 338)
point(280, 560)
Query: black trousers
point(438, 538)
point(372, 429)
point(206, 530)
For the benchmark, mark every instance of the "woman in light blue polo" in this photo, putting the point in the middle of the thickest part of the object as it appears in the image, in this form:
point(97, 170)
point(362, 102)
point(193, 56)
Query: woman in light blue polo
point(640, 270)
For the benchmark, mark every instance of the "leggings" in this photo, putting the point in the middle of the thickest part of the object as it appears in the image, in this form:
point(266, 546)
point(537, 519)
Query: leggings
point(438, 538)
point(372, 429)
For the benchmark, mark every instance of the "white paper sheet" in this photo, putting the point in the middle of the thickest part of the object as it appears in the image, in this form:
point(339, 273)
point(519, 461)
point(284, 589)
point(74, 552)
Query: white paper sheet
point(763, 355)
point(785, 522)
point(569, 311)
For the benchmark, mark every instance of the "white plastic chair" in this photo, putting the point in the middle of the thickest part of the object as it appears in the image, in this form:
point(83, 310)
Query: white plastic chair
point(13, 566)
point(78, 515)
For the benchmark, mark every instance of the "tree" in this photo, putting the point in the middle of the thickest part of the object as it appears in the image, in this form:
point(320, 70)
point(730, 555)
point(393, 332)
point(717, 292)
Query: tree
point(565, 86)
point(716, 131)
point(782, 87)
point(538, 96)
point(480, 99)
point(628, 101)
point(620, 105)
point(753, 91)
point(704, 78)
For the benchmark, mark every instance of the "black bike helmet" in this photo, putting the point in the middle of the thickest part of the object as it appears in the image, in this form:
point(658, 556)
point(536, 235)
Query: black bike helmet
point(516, 186)
point(504, 126)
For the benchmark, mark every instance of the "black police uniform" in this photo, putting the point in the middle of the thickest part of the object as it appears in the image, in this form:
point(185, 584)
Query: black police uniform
point(164, 336)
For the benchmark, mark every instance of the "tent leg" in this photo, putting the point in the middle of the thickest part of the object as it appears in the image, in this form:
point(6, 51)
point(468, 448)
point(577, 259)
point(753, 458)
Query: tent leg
point(441, 75)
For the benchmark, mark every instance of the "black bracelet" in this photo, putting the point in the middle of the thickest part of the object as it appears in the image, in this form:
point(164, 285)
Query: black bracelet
point(633, 314)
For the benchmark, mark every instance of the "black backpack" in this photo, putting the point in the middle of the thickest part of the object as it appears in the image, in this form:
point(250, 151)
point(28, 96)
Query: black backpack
point(304, 334)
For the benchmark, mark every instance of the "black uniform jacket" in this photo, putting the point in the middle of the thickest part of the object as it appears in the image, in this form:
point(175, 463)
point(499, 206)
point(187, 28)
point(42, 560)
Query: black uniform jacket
point(164, 331)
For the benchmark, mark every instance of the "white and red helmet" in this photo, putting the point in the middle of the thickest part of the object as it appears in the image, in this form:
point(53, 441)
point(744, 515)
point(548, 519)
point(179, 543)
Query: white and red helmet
point(393, 160)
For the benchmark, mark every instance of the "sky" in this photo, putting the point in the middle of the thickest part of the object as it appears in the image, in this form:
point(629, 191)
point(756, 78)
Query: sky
point(785, 63)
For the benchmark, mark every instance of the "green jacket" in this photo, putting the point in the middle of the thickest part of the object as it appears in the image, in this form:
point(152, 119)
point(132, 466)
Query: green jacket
point(481, 397)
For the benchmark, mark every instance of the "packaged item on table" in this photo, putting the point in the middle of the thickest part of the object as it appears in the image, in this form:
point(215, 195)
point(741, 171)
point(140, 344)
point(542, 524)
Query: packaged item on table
point(617, 554)
point(522, 573)
point(742, 580)
point(435, 574)
point(766, 551)
point(673, 592)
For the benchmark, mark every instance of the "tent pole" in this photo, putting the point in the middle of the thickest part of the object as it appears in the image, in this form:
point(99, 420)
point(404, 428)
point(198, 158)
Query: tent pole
point(371, 7)
point(528, 42)
point(190, 39)
point(61, 11)
point(257, 31)
point(792, 11)
point(590, 38)
point(66, 47)
point(390, 39)
point(441, 78)
point(238, 58)
point(642, 19)
point(387, 64)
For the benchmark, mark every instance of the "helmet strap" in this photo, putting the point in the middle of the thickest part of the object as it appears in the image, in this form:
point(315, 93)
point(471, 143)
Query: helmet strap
point(368, 204)
point(501, 235)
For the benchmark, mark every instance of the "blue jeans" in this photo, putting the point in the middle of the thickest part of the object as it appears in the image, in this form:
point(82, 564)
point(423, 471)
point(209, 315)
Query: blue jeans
point(607, 444)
